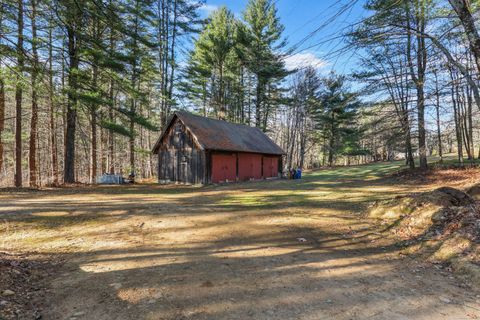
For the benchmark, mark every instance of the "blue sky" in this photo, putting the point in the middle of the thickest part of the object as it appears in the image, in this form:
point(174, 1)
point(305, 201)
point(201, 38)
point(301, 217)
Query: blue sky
point(301, 18)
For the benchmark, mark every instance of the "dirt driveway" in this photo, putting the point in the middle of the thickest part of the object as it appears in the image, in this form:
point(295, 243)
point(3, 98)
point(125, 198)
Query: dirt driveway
point(270, 250)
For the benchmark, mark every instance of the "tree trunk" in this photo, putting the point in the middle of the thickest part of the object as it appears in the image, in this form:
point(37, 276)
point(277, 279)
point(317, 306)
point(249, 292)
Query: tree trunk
point(172, 56)
point(422, 150)
point(470, 119)
point(303, 141)
point(131, 147)
point(93, 145)
point(458, 133)
point(32, 156)
point(18, 98)
point(111, 149)
point(418, 77)
point(330, 151)
point(150, 155)
point(331, 143)
point(266, 113)
point(63, 89)
point(93, 124)
point(69, 156)
point(408, 143)
point(465, 123)
point(258, 103)
point(221, 100)
point(103, 155)
point(53, 137)
point(133, 102)
point(421, 66)
point(161, 58)
point(324, 154)
point(2, 119)
point(437, 110)
point(291, 142)
point(2, 106)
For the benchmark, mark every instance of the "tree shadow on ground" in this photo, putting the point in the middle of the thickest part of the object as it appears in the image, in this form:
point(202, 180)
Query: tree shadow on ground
point(266, 250)
point(270, 275)
point(64, 207)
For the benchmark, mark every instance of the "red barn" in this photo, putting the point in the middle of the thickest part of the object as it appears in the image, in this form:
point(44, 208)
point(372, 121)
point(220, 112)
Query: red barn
point(199, 150)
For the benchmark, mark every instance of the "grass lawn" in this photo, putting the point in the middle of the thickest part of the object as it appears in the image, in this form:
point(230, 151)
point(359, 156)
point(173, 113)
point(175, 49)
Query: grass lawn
point(282, 249)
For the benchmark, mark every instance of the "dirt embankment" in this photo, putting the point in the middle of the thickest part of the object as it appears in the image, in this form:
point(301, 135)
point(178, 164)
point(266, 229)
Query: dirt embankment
point(442, 225)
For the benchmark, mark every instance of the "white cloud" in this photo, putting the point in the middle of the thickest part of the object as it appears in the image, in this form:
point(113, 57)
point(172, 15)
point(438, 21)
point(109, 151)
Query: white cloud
point(302, 60)
point(208, 8)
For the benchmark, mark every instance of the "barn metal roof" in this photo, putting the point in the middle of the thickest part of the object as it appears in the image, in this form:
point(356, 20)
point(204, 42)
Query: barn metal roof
point(221, 135)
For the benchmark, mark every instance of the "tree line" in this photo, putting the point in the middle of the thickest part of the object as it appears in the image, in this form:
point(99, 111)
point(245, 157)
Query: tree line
point(86, 86)
point(86, 83)
point(422, 57)
point(416, 79)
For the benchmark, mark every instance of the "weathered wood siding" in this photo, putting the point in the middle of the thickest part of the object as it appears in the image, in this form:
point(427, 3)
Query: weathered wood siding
point(180, 160)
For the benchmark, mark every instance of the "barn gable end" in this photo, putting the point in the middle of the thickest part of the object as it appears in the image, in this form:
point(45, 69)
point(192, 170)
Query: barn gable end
point(180, 157)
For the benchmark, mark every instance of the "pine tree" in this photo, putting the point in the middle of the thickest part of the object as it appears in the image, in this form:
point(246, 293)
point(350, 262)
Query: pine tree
point(138, 44)
point(210, 54)
point(335, 118)
point(73, 15)
point(264, 36)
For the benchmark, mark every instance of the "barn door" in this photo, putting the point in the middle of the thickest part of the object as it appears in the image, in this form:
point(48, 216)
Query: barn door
point(249, 166)
point(224, 168)
point(270, 167)
point(182, 167)
point(170, 165)
point(183, 172)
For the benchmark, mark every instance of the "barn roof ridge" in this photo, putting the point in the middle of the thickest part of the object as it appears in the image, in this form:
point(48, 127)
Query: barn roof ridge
point(190, 114)
point(220, 135)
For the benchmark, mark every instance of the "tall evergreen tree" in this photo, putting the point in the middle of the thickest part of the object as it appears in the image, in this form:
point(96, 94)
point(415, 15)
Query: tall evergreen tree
point(210, 55)
point(264, 61)
point(73, 18)
point(138, 44)
point(335, 117)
